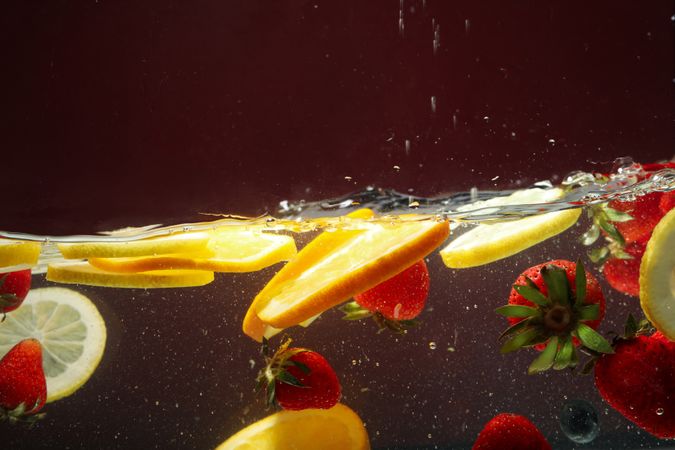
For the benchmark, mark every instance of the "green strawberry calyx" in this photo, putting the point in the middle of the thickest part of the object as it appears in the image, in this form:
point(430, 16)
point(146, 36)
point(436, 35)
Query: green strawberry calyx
point(554, 319)
point(354, 311)
point(276, 369)
point(22, 415)
point(603, 218)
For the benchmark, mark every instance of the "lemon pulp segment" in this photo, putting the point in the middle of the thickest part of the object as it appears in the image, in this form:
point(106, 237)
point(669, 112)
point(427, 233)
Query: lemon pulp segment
point(229, 249)
point(487, 243)
point(84, 273)
point(71, 331)
point(337, 428)
point(19, 253)
point(193, 242)
point(657, 277)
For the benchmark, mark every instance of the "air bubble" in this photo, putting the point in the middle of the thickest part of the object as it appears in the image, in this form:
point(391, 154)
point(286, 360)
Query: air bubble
point(579, 421)
point(432, 345)
point(660, 411)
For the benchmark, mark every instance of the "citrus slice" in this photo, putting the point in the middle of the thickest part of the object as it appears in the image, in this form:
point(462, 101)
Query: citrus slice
point(84, 273)
point(71, 331)
point(193, 242)
point(657, 277)
point(337, 428)
point(339, 264)
point(19, 253)
point(231, 249)
point(487, 243)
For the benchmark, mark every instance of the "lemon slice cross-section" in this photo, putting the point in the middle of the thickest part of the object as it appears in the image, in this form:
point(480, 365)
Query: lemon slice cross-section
point(18, 254)
point(230, 249)
point(86, 274)
point(657, 277)
point(337, 428)
point(338, 265)
point(70, 329)
point(487, 243)
point(193, 242)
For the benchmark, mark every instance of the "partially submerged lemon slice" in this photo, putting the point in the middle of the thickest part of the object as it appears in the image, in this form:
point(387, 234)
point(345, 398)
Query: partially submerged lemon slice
point(337, 265)
point(18, 253)
point(229, 249)
point(71, 331)
point(193, 242)
point(84, 273)
point(337, 428)
point(657, 277)
point(487, 243)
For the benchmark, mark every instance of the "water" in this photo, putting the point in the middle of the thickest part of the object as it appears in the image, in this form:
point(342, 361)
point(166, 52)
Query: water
point(432, 388)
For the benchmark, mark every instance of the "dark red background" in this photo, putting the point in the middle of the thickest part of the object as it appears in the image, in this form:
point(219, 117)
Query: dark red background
point(129, 113)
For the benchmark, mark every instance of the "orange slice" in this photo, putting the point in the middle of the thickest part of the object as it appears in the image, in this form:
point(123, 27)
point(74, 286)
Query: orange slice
point(230, 249)
point(337, 428)
point(84, 273)
point(337, 265)
point(192, 242)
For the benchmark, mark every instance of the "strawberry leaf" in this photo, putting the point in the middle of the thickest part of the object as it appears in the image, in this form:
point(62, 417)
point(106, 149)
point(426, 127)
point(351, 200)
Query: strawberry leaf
point(589, 312)
point(515, 328)
point(557, 284)
point(611, 231)
point(545, 359)
point(520, 340)
point(271, 392)
point(631, 327)
point(599, 255)
point(302, 366)
point(286, 377)
point(614, 215)
point(532, 294)
point(517, 311)
point(564, 357)
point(592, 339)
point(580, 284)
point(590, 236)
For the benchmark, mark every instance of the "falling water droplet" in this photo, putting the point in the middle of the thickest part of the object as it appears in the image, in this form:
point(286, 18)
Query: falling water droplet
point(467, 25)
point(579, 421)
point(432, 345)
point(407, 146)
point(433, 104)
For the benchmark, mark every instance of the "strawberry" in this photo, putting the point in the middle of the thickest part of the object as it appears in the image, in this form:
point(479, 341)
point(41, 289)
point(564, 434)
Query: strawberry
point(297, 378)
point(646, 214)
point(23, 389)
point(667, 202)
point(510, 432)
point(554, 306)
point(623, 274)
point(638, 380)
point(14, 287)
point(394, 302)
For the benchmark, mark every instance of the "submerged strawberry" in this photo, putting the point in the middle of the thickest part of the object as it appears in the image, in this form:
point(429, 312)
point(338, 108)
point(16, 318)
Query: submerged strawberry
point(510, 432)
point(395, 302)
point(638, 380)
point(297, 378)
point(23, 389)
point(554, 306)
point(623, 274)
point(645, 213)
point(14, 287)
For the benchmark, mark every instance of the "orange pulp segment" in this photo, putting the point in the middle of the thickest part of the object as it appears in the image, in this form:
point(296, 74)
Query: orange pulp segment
point(84, 273)
point(229, 249)
point(339, 264)
point(337, 428)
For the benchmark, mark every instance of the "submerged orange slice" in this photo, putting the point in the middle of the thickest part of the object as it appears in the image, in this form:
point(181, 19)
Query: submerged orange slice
point(229, 249)
point(84, 273)
point(337, 428)
point(18, 253)
point(337, 265)
point(193, 242)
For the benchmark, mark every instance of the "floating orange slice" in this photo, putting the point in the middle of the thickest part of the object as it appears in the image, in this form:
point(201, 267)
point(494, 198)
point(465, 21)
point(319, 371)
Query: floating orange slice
point(337, 265)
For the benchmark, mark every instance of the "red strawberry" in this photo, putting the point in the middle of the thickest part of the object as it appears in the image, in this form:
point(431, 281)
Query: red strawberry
point(646, 214)
point(667, 202)
point(624, 274)
point(510, 432)
point(14, 287)
point(638, 380)
point(545, 312)
point(23, 389)
point(394, 302)
point(297, 378)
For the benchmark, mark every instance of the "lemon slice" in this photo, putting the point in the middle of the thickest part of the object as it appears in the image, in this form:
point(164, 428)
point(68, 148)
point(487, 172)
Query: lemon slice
point(71, 331)
point(229, 250)
point(84, 273)
point(19, 253)
point(336, 266)
point(337, 428)
point(657, 277)
point(487, 243)
point(193, 242)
